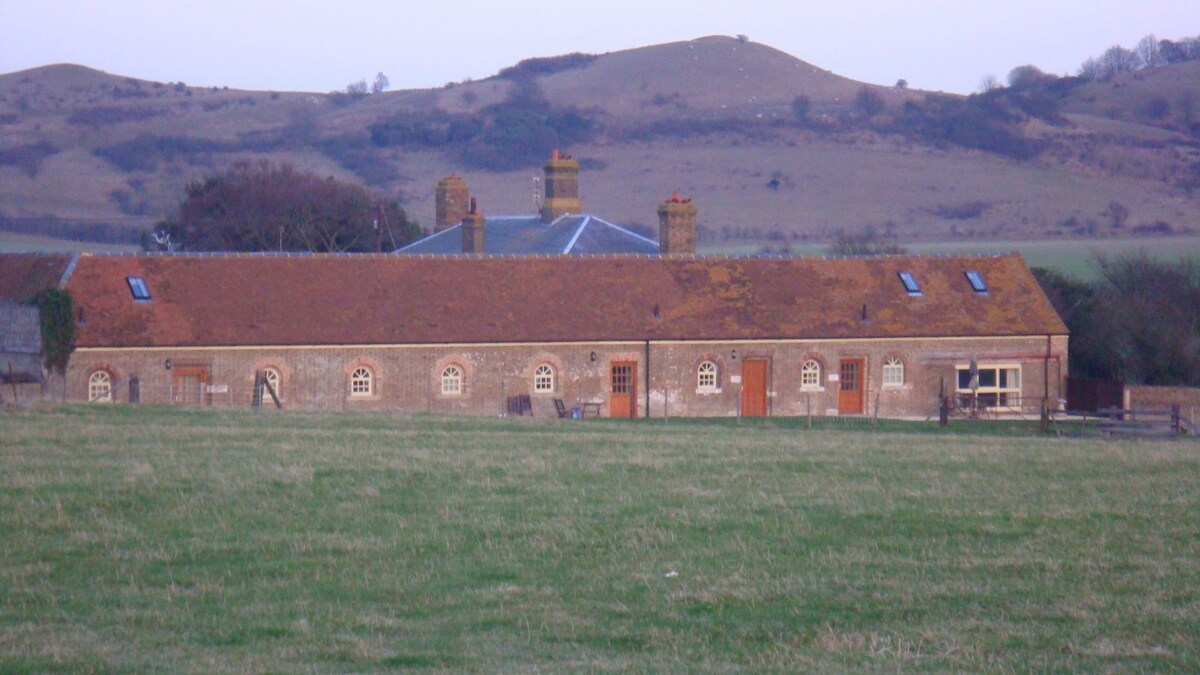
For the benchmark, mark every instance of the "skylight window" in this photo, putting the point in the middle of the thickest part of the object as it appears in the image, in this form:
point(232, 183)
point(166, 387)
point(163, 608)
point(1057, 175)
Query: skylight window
point(137, 286)
point(977, 283)
point(910, 283)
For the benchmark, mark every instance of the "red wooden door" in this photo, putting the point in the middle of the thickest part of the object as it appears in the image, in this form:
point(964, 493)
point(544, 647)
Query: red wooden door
point(623, 399)
point(850, 387)
point(189, 386)
point(754, 388)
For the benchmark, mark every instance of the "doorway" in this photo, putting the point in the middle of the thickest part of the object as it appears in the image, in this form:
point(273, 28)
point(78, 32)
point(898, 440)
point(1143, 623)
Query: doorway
point(850, 387)
point(754, 388)
point(622, 401)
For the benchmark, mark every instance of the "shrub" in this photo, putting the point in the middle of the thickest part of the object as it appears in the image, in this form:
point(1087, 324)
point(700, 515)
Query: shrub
point(546, 65)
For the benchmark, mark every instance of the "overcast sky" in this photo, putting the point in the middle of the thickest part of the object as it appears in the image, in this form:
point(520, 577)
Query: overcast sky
point(304, 45)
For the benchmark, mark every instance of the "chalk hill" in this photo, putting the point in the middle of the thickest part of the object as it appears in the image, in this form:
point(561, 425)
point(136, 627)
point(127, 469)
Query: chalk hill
point(773, 149)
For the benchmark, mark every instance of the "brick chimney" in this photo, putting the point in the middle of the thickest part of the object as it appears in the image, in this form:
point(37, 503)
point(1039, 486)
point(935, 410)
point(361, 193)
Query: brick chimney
point(450, 200)
point(562, 187)
point(472, 230)
point(677, 226)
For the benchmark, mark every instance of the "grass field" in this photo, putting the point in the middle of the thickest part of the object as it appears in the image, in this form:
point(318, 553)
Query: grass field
point(146, 538)
point(12, 242)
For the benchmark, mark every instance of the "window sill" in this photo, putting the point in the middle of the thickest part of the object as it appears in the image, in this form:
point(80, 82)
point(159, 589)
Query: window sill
point(811, 390)
point(707, 392)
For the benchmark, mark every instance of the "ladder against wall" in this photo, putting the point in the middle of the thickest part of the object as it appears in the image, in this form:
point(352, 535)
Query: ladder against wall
point(263, 386)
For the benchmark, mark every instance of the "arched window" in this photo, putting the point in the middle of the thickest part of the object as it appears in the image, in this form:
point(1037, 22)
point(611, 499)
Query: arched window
point(706, 376)
point(452, 381)
point(272, 377)
point(362, 382)
point(810, 374)
point(543, 379)
point(100, 387)
point(893, 371)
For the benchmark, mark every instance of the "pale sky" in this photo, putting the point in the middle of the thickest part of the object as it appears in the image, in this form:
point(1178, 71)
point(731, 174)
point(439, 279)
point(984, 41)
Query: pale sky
point(304, 45)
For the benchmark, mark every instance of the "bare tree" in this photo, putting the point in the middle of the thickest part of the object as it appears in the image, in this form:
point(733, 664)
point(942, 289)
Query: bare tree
point(1149, 50)
point(867, 242)
point(988, 83)
point(1118, 60)
point(380, 84)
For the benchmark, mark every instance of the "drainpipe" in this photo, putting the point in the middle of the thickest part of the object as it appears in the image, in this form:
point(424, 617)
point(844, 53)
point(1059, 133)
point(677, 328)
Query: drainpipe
point(647, 395)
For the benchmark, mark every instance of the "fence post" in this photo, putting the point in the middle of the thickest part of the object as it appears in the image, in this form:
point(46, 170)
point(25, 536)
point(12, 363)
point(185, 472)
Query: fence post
point(1175, 420)
point(135, 390)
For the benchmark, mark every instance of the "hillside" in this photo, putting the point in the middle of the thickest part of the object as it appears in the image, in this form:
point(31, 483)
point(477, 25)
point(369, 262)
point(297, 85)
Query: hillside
point(714, 118)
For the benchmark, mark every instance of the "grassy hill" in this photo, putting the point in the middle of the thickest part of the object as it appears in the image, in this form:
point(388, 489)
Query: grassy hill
point(222, 541)
point(713, 118)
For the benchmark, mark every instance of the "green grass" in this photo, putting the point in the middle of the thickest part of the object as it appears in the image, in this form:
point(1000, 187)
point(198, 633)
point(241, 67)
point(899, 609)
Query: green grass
point(12, 242)
point(147, 538)
point(1076, 257)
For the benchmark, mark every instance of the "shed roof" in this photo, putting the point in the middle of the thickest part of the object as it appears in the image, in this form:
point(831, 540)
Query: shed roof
point(572, 234)
point(23, 275)
point(242, 299)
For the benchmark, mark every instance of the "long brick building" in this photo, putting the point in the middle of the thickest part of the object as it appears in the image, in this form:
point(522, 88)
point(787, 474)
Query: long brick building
point(632, 335)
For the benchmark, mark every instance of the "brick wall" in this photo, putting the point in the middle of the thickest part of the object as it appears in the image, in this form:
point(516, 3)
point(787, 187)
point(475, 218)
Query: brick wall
point(408, 378)
point(1141, 397)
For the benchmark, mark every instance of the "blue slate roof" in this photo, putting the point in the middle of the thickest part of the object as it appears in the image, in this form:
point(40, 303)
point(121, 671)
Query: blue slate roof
point(572, 234)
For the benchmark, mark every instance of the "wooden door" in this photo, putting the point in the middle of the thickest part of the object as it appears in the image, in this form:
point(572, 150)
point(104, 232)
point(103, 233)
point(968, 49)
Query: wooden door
point(850, 387)
point(189, 386)
point(623, 400)
point(754, 388)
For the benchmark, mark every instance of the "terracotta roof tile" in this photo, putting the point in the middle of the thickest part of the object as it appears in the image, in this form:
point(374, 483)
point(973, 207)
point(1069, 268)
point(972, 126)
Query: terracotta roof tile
point(22, 275)
point(213, 300)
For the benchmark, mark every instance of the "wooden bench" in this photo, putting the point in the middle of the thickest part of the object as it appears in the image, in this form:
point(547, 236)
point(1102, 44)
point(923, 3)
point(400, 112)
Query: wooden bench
point(561, 409)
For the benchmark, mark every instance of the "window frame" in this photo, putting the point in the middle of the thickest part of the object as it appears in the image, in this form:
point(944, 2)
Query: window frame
point(277, 384)
point(362, 382)
point(891, 365)
point(712, 372)
point(976, 280)
point(544, 379)
point(817, 371)
point(457, 378)
point(93, 384)
point(911, 286)
point(1005, 396)
point(138, 288)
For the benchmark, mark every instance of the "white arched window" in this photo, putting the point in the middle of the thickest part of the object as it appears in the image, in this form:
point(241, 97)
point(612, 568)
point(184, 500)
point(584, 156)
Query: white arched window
point(810, 374)
point(706, 376)
point(893, 371)
point(543, 379)
point(272, 377)
point(100, 387)
point(362, 382)
point(452, 381)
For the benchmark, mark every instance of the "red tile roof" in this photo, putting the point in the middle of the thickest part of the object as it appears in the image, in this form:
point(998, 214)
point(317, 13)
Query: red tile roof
point(220, 300)
point(23, 275)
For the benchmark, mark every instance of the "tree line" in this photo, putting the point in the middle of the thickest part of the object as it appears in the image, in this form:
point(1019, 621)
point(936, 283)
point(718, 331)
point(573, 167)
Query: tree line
point(1138, 322)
